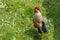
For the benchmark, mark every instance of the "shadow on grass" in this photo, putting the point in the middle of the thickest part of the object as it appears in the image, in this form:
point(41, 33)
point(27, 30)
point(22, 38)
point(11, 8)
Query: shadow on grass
point(32, 33)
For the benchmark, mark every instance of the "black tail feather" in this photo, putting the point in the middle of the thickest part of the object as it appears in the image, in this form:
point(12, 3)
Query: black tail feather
point(44, 28)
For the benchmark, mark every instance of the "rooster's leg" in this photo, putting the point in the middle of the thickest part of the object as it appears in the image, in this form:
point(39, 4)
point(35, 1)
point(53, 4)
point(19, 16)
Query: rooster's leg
point(38, 30)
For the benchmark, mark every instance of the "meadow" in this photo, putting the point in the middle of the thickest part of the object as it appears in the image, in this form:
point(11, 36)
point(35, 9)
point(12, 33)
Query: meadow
point(16, 19)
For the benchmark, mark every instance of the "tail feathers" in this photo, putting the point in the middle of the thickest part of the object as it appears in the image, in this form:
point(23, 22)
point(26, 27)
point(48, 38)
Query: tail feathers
point(44, 28)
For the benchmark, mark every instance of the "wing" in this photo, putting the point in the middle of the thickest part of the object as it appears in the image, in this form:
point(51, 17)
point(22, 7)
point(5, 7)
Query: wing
point(37, 24)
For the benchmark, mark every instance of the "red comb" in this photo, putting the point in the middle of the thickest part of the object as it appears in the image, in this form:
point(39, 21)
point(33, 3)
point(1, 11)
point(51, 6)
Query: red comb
point(37, 8)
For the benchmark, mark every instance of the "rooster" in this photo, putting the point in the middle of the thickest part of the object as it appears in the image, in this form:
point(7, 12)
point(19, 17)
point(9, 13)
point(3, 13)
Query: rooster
point(38, 21)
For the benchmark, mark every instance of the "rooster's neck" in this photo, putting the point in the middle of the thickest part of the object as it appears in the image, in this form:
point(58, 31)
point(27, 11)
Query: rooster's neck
point(38, 13)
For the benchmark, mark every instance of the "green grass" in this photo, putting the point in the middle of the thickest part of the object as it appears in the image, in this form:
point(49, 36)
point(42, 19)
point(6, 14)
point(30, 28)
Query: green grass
point(16, 20)
point(53, 10)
